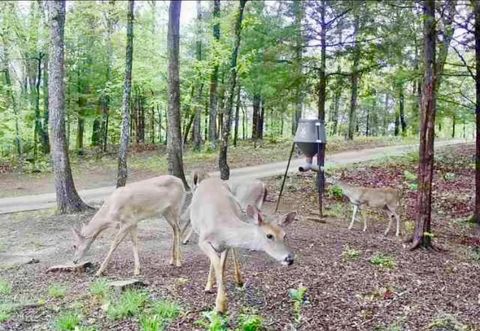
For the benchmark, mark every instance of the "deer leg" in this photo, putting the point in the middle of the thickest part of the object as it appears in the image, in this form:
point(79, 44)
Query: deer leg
point(397, 218)
point(116, 241)
point(173, 221)
point(186, 237)
point(210, 279)
point(215, 261)
point(134, 238)
point(390, 219)
point(236, 265)
point(355, 208)
point(364, 220)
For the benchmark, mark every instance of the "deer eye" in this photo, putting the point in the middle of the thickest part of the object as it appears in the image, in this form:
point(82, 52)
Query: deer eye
point(74, 246)
point(270, 236)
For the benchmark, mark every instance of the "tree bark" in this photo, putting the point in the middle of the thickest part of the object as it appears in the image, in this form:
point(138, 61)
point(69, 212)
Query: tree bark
point(476, 215)
point(127, 90)
point(212, 130)
point(68, 199)
point(255, 116)
point(298, 8)
point(197, 123)
point(401, 103)
point(237, 117)
point(174, 138)
point(422, 235)
point(354, 80)
point(222, 160)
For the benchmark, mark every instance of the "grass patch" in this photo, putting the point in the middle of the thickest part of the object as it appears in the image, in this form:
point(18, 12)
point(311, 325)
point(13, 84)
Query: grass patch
point(167, 310)
point(99, 288)
point(5, 287)
point(5, 311)
point(334, 192)
point(447, 322)
point(249, 322)
point(350, 254)
point(57, 291)
point(298, 297)
point(383, 261)
point(128, 304)
point(151, 323)
point(213, 321)
point(67, 321)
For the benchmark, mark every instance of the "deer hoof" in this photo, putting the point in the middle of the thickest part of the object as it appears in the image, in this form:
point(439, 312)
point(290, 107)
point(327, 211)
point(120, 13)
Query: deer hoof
point(221, 307)
point(136, 272)
point(99, 273)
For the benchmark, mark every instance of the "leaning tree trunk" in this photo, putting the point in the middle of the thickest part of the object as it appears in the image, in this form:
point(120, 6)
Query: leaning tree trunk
point(213, 104)
point(127, 90)
point(174, 138)
point(67, 196)
point(476, 216)
point(422, 234)
point(354, 80)
point(222, 160)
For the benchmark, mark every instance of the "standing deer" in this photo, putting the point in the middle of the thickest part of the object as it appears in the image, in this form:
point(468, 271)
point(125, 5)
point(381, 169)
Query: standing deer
point(249, 192)
point(387, 199)
point(155, 197)
point(216, 217)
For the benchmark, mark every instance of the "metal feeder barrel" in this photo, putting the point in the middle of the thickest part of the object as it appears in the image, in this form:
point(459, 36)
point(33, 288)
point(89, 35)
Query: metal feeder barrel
point(310, 133)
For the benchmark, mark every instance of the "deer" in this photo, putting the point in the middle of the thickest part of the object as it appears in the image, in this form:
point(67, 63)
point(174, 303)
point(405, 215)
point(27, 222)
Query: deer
point(253, 192)
point(161, 196)
point(387, 199)
point(217, 219)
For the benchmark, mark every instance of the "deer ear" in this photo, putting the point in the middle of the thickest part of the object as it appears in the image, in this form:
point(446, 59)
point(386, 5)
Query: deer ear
point(287, 219)
point(254, 215)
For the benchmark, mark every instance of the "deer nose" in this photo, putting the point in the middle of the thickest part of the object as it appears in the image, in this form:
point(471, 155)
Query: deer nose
point(289, 259)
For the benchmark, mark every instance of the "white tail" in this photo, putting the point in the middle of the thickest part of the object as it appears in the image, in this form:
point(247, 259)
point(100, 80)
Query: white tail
point(387, 199)
point(155, 197)
point(249, 192)
point(216, 217)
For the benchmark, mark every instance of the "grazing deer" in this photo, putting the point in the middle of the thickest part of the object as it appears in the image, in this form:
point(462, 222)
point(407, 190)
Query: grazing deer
point(155, 197)
point(387, 199)
point(249, 192)
point(216, 217)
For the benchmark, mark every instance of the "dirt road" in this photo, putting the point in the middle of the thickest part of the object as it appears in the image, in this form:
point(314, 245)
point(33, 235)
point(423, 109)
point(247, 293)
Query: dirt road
point(45, 201)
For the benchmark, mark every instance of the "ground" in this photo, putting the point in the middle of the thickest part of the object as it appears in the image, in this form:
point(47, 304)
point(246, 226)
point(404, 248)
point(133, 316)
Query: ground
point(352, 280)
point(94, 169)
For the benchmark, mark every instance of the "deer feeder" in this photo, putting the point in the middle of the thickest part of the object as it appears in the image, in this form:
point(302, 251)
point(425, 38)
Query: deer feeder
point(310, 139)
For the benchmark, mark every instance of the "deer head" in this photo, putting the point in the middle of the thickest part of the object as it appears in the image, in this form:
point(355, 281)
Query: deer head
point(81, 244)
point(271, 234)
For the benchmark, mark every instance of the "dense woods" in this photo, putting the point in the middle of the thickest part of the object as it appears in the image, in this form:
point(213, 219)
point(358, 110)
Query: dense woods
point(230, 71)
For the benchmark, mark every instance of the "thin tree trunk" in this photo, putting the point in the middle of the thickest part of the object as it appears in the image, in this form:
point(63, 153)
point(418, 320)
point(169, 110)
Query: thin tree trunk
point(197, 123)
point(397, 123)
point(174, 138)
point(255, 116)
point(401, 102)
point(67, 196)
point(385, 114)
point(422, 235)
point(212, 130)
point(476, 215)
point(237, 116)
point(354, 81)
point(127, 90)
point(222, 160)
point(454, 123)
point(298, 8)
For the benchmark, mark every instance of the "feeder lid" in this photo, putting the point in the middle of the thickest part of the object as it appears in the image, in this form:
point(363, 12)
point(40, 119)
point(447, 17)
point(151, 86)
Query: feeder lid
point(310, 131)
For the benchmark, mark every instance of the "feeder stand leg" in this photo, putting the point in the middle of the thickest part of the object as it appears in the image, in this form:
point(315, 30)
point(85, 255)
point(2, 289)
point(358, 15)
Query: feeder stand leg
point(320, 177)
point(284, 177)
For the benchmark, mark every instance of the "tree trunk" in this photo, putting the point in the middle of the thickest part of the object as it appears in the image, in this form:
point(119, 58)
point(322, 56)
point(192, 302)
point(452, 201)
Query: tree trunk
point(45, 139)
point(222, 160)
point(127, 90)
point(385, 114)
point(237, 117)
point(298, 8)
point(67, 196)
point(174, 138)
point(454, 123)
point(354, 80)
point(422, 235)
point(476, 215)
point(401, 102)
point(197, 123)
point(255, 116)
point(397, 123)
point(261, 119)
point(96, 132)
point(212, 130)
